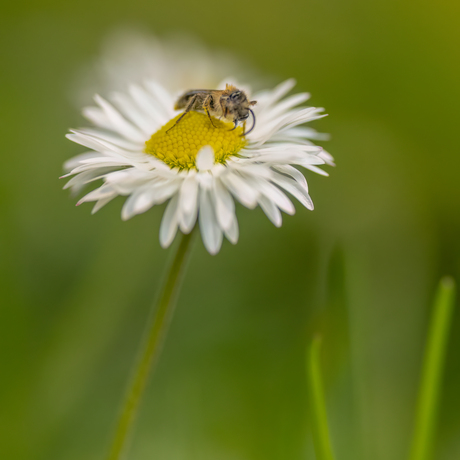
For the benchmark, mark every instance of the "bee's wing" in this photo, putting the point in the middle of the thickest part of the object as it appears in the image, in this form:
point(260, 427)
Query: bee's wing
point(195, 91)
point(185, 98)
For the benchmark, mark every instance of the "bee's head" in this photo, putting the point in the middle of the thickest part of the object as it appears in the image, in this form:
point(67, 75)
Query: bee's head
point(238, 108)
point(238, 105)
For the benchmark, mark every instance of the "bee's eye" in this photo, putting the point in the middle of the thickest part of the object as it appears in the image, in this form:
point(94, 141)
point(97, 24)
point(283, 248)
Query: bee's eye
point(235, 95)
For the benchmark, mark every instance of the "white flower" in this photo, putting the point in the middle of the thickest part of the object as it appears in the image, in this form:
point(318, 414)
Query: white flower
point(199, 168)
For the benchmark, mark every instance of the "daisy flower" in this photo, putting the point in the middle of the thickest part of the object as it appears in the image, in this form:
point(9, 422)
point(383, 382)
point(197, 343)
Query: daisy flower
point(200, 169)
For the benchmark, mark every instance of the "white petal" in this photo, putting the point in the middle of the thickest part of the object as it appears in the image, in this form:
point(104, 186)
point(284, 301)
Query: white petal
point(165, 101)
point(271, 147)
point(148, 105)
point(232, 233)
point(205, 159)
point(77, 160)
point(189, 194)
point(166, 190)
point(294, 173)
point(266, 99)
point(282, 107)
point(224, 205)
point(187, 221)
point(129, 208)
point(271, 211)
point(242, 191)
point(113, 138)
point(108, 149)
point(134, 114)
point(295, 190)
point(139, 202)
point(98, 117)
point(86, 141)
point(104, 191)
point(247, 166)
point(118, 122)
point(291, 119)
point(210, 230)
point(307, 133)
point(316, 170)
point(102, 202)
point(168, 227)
point(275, 195)
point(327, 157)
point(188, 203)
point(80, 180)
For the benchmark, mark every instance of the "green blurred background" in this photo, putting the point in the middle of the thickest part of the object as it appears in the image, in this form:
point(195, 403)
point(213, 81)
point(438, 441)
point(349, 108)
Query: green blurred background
point(75, 289)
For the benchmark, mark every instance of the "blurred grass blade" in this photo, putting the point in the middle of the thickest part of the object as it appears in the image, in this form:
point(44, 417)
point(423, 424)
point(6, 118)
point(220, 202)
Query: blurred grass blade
point(318, 417)
point(428, 399)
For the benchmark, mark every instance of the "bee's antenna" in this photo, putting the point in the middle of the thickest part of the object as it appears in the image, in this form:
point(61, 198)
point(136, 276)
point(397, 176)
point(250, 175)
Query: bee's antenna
point(253, 125)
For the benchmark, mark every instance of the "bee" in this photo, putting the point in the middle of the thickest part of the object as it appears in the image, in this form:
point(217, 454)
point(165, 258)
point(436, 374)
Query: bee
point(229, 103)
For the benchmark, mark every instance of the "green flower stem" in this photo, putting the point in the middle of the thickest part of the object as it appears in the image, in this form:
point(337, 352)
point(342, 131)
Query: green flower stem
point(150, 351)
point(428, 399)
point(321, 439)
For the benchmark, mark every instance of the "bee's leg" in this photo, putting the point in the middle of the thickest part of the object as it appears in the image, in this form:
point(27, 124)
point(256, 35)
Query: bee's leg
point(209, 116)
point(206, 103)
point(236, 124)
point(187, 110)
point(223, 107)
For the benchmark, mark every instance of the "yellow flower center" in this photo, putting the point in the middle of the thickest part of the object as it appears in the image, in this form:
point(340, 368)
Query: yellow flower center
point(179, 147)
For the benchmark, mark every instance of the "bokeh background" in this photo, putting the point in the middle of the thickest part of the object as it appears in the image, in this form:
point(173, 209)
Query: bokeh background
point(75, 289)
